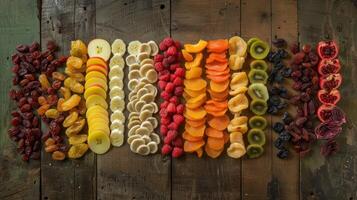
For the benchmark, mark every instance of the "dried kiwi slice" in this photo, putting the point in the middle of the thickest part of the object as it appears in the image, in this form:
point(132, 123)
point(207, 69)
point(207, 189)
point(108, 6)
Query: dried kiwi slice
point(254, 150)
point(256, 136)
point(259, 50)
point(257, 76)
point(258, 106)
point(258, 64)
point(258, 122)
point(251, 41)
point(258, 91)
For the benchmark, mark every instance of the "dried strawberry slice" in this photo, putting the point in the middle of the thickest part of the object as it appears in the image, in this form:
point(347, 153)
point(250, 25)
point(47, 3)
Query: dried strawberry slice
point(327, 49)
point(330, 82)
point(330, 98)
point(329, 66)
point(331, 113)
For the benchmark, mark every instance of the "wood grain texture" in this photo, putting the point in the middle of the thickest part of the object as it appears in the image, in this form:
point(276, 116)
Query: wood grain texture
point(122, 174)
point(57, 177)
point(334, 177)
point(19, 24)
point(285, 182)
point(205, 178)
point(257, 173)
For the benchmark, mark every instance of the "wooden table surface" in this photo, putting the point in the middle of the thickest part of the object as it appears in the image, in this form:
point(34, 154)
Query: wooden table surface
point(120, 174)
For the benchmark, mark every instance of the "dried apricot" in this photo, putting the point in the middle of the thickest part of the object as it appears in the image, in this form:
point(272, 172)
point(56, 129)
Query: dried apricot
point(219, 79)
point(196, 48)
point(195, 114)
point(211, 132)
point(77, 150)
point(195, 131)
point(193, 93)
point(199, 152)
point(215, 57)
point(196, 123)
point(213, 153)
point(219, 87)
point(190, 147)
point(216, 66)
point(219, 123)
point(189, 137)
point(72, 102)
point(217, 46)
point(215, 143)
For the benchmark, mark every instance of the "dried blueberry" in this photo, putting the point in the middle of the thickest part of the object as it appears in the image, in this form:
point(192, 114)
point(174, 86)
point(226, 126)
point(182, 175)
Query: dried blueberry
point(279, 143)
point(279, 43)
point(285, 136)
point(287, 119)
point(278, 127)
point(283, 154)
point(286, 72)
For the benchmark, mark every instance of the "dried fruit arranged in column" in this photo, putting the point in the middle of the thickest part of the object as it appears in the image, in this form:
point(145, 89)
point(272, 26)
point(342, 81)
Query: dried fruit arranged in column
point(171, 75)
point(96, 88)
point(306, 80)
point(116, 93)
point(218, 76)
point(142, 107)
point(238, 100)
point(332, 117)
point(195, 96)
point(259, 96)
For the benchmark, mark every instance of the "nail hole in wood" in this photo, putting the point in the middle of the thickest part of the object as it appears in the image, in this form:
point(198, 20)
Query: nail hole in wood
point(162, 6)
point(311, 193)
point(84, 8)
point(34, 182)
point(47, 21)
point(45, 197)
point(351, 198)
point(7, 58)
point(125, 4)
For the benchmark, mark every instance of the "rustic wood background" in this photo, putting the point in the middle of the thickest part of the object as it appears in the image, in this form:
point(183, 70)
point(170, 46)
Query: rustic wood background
point(120, 174)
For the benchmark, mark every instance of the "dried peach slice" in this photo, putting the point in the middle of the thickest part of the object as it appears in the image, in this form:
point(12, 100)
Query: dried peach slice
point(218, 104)
point(190, 147)
point(219, 123)
point(189, 137)
point(195, 114)
point(219, 87)
point(215, 143)
point(211, 132)
point(216, 66)
point(97, 68)
point(96, 61)
point(196, 48)
point(220, 78)
point(194, 72)
point(238, 103)
point(216, 57)
point(217, 73)
point(239, 79)
point(195, 131)
point(218, 114)
point(96, 82)
point(213, 153)
point(195, 84)
point(195, 63)
point(187, 56)
point(217, 46)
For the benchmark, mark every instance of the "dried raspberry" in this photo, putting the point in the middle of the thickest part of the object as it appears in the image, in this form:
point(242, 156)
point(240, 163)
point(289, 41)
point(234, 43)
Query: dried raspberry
point(163, 113)
point(171, 135)
point(178, 119)
point(171, 59)
point(174, 66)
point(178, 142)
point(164, 104)
point(178, 81)
point(171, 51)
point(171, 108)
point(162, 84)
point(164, 72)
point(159, 66)
point(168, 41)
point(158, 58)
point(165, 121)
point(173, 126)
point(162, 46)
point(177, 152)
point(180, 72)
point(180, 108)
point(163, 130)
point(174, 100)
point(166, 149)
point(178, 91)
point(165, 95)
point(165, 77)
point(177, 44)
point(169, 87)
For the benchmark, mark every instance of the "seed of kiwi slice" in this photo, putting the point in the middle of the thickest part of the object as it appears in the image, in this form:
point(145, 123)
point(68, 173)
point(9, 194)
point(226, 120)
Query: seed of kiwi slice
point(259, 50)
point(258, 91)
point(256, 136)
point(258, 106)
point(257, 76)
point(258, 64)
point(258, 122)
point(254, 150)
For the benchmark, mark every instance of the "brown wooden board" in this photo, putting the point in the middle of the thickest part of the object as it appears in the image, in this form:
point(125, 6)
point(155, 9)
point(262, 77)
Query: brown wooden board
point(122, 174)
point(19, 24)
point(57, 177)
point(205, 178)
point(257, 173)
point(285, 182)
point(334, 177)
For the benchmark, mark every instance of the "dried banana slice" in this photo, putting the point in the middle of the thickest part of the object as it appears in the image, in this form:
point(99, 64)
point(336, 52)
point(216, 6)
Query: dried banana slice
point(134, 114)
point(142, 91)
point(132, 84)
point(144, 115)
point(134, 74)
point(130, 107)
point(153, 121)
point(117, 60)
point(131, 60)
point(148, 107)
point(136, 143)
point(133, 123)
point(155, 138)
point(155, 106)
point(132, 96)
point(117, 124)
point(116, 81)
point(153, 147)
point(147, 61)
point(133, 129)
point(148, 98)
point(117, 103)
point(151, 76)
point(142, 131)
point(117, 115)
point(147, 125)
point(154, 48)
point(146, 138)
point(118, 47)
point(135, 66)
point(145, 48)
point(133, 137)
point(152, 89)
point(142, 56)
point(116, 92)
point(143, 150)
point(139, 105)
point(116, 71)
point(145, 68)
point(133, 47)
point(117, 138)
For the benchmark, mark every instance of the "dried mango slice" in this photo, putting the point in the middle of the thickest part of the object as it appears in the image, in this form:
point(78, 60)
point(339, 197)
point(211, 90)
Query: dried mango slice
point(214, 133)
point(196, 48)
point(195, 131)
point(236, 150)
point(219, 87)
point(187, 56)
point(188, 137)
point(213, 153)
point(238, 103)
point(195, 63)
point(219, 123)
point(217, 46)
point(195, 84)
point(193, 72)
point(190, 147)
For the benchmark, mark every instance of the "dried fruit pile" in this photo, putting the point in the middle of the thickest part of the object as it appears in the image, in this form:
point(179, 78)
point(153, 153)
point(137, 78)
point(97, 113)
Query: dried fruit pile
point(116, 93)
point(171, 75)
point(239, 101)
point(259, 95)
point(96, 88)
point(142, 107)
point(332, 118)
point(195, 96)
point(28, 62)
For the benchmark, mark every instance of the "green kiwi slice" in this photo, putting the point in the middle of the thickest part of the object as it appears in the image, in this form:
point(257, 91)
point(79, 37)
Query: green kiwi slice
point(258, 106)
point(254, 150)
point(256, 136)
point(258, 122)
point(258, 91)
point(251, 41)
point(258, 64)
point(259, 50)
point(257, 76)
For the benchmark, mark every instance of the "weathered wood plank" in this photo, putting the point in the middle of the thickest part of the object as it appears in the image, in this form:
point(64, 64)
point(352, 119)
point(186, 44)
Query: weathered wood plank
point(85, 169)
point(257, 173)
point(122, 174)
point(205, 178)
point(334, 177)
point(57, 178)
point(19, 24)
point(285, 181)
